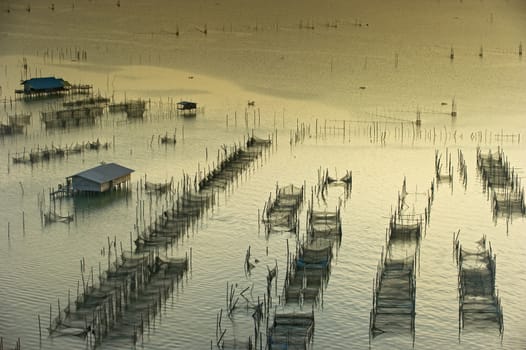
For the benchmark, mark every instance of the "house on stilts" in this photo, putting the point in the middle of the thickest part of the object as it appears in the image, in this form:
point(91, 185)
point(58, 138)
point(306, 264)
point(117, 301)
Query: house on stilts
point(49, 86)
point(102, 178)
point(187, 108)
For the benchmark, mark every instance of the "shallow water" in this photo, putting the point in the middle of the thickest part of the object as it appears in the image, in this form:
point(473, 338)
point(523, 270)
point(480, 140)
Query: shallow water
point(292, 84)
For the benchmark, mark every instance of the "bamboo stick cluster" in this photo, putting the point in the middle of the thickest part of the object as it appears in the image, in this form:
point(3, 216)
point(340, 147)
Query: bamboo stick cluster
point(291, 330)
point(195, 197)
point(462, 169)
point(282, 213)
point(394, 287)
point(158, 187)
point(72, 116)
point(499, 178)
point(306, 277)
point(18, 344)
point(479, 302)
point(130, 291)
point(15, 124)
point(135, 285)
point(52, 152)
point(308, 271)
point(441, 174)
point(325, 181)
point(259, 309)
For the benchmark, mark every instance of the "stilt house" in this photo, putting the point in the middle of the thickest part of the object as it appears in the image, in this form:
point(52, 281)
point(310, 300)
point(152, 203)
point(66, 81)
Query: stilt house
point(102, 178)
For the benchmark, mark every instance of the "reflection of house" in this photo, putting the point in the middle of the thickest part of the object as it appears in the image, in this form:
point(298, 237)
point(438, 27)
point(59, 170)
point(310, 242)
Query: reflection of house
point(102, 178)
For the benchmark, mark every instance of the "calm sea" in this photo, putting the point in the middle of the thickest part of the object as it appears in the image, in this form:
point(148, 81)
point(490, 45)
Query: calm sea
point(365, 68)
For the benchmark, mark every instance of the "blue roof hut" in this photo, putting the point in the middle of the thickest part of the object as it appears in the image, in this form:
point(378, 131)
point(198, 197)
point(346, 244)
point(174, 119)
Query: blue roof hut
point(51, 86)
point(47, 84)
point(102, 178)
point(44, 86)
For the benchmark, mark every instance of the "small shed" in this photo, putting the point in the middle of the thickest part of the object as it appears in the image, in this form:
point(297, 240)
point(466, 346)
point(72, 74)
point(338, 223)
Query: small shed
point(44, 85)
point(187, 108)
point(102, 178)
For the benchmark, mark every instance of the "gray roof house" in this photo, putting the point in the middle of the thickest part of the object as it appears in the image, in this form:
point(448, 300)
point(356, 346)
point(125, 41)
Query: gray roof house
point(102, 178)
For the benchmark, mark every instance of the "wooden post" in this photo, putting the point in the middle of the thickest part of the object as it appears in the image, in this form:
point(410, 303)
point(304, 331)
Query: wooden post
point(58, 302)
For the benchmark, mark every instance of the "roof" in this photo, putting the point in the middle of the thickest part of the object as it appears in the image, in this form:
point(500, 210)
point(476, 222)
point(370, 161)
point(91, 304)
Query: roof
point(44, 83)
point(104, 173)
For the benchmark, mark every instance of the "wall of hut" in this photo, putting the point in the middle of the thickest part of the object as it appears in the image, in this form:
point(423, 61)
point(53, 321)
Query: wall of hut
point(81, 184)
